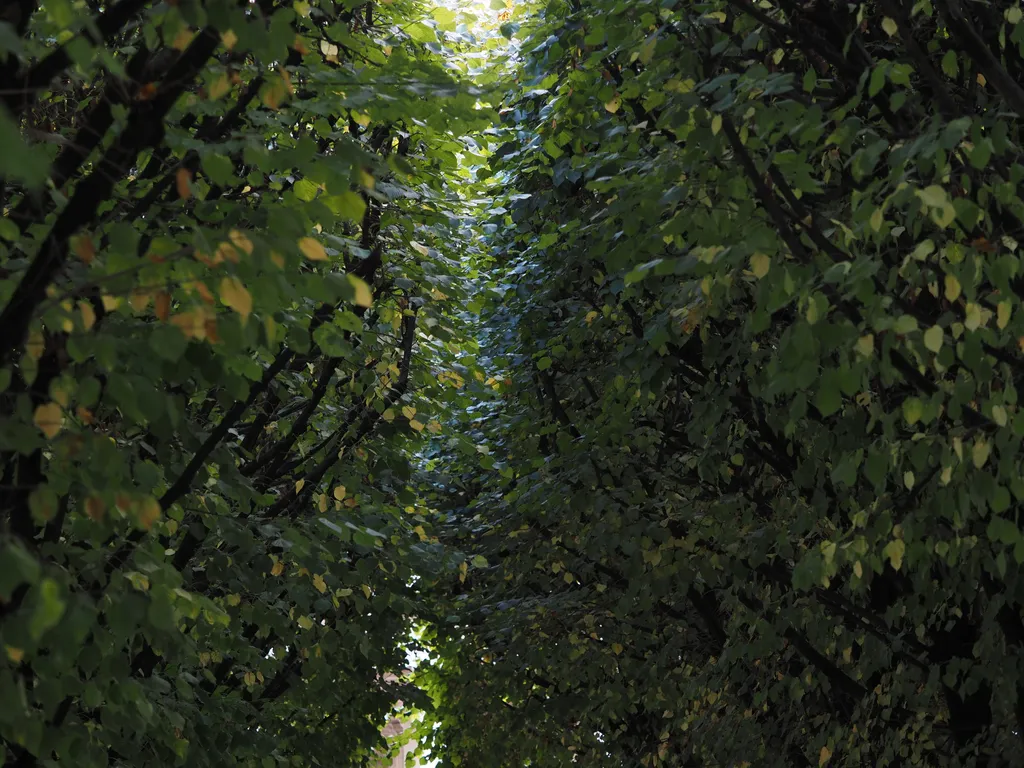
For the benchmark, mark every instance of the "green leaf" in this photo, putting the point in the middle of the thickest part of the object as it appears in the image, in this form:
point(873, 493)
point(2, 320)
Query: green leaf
point(49, 608)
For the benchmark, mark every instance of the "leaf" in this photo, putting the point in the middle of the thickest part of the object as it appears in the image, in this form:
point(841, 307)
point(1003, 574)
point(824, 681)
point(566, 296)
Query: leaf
point(49, 419)
point(233, 294)
point(613, 104)
point(760, 264)
point(49, 609)
point(363, 295)
point(305, 622)
point(980, 452)
point(312, 249)
point(88, 314)
point(999, 415)
point(866, 345)
point(823, 756)
point(972, 316)
point(241, 241)
point(895, 550)
point(183, 183)
point(84, 248)
point(148, 512)
point(299, 485)
point(933, 338)
point(913, 410)
point(277, 569)
point(1003, 314)
point(716, 125)
point(889, 26)
point(949, 64)
point(417, 425)
point(934, 196)
point(339, 492)
point(952, 288)
point(319, 583)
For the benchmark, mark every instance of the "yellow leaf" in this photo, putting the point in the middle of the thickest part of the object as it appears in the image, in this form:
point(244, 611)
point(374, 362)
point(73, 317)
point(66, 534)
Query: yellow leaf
point(617, 648)
point(895, 550)
point(363, 294)
point(277, 569)
point(182, 39)
point(305, 622)
point(823, 756)
point(312, 249)
point(972, 319)
point(591, 316)
point(434, 426)
point(388, 415)
point(49, 419)
point(110, 303)
point(877, 219)
point(321, 502)
point(613, 104)
point(1003, 314)
point(229, 39)
point(980, 453)
point(235, 295)
point(36, 344)
point(420, 248)
point(933, 338)
point(417, 425)
point(367, 591)
point(219, 87)
point(339, 492)
point(858, 570)
point(14, 654)
point(952, 288)
point(866, 345)
point(139, 300)
point(149, 512)
point(298, 485)
point(889, 26)
point(408, 411)
point(716, 125)
point(250, 678)
point(241, 241)
point(320, 584)
point(999, 415)
point(760, 264)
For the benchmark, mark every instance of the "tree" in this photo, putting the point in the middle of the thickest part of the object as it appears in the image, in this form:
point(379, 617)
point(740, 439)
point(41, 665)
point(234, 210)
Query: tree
point(750, 492)
point(224, 321)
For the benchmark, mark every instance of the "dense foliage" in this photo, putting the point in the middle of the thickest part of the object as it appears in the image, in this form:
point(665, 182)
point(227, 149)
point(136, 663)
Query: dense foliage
point(753, 466)
point(666, 413)
point(224, 325)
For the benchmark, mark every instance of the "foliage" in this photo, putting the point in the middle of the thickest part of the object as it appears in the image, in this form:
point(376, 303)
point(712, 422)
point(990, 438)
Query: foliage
point(748, 482)
point(226, 328)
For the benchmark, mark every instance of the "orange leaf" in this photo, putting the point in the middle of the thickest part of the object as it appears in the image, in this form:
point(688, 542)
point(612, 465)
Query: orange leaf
point(162, 306)
point(94, 508)
point(183, 178)
point(82, 246)
point(49, 419)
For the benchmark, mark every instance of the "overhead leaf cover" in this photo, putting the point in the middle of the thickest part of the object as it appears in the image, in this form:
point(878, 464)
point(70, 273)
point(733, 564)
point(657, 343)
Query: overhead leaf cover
point(641, 373)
